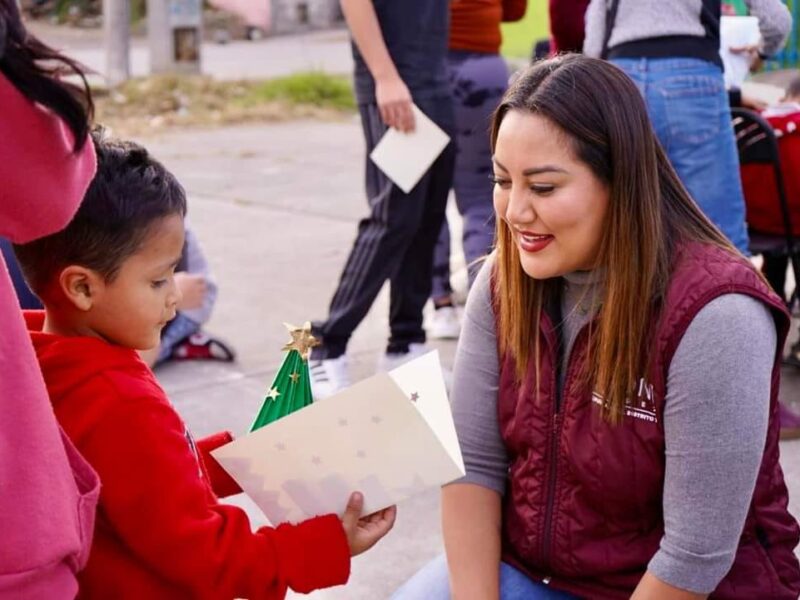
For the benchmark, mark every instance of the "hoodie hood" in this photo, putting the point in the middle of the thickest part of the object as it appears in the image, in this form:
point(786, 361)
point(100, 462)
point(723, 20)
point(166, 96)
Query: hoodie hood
point(68, 362)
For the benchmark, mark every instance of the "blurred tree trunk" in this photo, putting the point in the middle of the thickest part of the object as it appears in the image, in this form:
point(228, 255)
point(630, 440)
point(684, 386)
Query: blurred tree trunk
point(116, 23)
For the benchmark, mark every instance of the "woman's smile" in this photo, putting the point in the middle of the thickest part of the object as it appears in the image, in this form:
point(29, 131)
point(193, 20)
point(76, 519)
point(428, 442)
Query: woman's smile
point(533, 242)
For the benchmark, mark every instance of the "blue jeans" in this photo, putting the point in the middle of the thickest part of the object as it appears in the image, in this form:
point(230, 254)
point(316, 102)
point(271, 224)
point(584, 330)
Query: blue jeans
point(689, 109)
point(431, 583)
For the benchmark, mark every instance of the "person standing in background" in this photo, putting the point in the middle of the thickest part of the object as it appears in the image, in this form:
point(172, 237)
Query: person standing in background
point(48, 492)
point(671, 51)
point(567, 25)
point(400, 52)
point(478, 79)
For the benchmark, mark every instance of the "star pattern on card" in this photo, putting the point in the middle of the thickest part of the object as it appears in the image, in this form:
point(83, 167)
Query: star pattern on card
point(294, 377)
point(414, 397)
point(361, 454)
point(377, 420)
point(342, 422)
point(280, 447)
point(273, 394)
point(316, 460)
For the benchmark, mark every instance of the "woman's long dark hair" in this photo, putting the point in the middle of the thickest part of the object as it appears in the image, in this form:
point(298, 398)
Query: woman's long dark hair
point(36, 70)
point(604, 119)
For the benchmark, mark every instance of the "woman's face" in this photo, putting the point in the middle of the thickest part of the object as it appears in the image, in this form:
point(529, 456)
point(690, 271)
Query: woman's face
point(552, 203)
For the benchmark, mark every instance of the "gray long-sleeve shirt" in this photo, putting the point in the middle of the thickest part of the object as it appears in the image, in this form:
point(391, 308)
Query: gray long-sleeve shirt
point(644, 19)
point(715, 421)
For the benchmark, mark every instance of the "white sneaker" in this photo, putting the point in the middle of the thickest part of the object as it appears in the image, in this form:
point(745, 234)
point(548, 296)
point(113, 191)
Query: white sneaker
point(445, 324)
point(328, 376)
point(392, 360)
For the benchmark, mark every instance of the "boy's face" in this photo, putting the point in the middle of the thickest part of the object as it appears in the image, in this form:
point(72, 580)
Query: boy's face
point(132, 309)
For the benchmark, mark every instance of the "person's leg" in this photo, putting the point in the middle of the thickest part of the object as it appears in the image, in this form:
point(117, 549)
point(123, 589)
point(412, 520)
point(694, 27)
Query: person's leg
point(432, 583)
point(689, 108)
point(444, 323)
point(478, 82)
point(411, 282)
point(177, 330)
point(382, 237)
point(515, 585)
point(440, 284)
point(429, 583)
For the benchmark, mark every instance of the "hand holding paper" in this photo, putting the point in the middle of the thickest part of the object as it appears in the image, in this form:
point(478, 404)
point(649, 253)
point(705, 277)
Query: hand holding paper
point(394, 103)
point(737, 32)
point(406, 157)
point(364, 532)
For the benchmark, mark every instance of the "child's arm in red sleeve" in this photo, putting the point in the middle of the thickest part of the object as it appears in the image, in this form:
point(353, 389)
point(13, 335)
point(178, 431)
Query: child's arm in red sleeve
point(221, 482)
point(157, 502)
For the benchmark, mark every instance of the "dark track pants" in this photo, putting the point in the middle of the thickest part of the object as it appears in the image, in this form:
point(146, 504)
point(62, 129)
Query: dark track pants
point(394, 242)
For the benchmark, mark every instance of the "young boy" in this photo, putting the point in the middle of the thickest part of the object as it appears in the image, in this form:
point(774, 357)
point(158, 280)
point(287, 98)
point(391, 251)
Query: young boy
point(107, 283)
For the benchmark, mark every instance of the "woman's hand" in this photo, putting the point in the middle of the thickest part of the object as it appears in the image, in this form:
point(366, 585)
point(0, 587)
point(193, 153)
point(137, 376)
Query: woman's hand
point(364, 532)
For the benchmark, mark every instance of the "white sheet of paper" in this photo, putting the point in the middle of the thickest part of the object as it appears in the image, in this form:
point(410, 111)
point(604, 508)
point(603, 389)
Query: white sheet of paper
point(406, 157)
point(736, 32)
point(390, 436)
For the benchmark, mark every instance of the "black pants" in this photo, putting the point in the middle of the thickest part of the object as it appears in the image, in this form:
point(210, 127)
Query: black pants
point(394, 242)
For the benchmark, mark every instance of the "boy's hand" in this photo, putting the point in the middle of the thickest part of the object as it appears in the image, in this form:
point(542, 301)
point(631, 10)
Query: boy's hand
point(193, 290)
point(364, 533)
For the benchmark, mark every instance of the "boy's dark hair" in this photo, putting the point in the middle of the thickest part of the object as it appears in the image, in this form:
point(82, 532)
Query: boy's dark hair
point(130, 192)
point(793, 90)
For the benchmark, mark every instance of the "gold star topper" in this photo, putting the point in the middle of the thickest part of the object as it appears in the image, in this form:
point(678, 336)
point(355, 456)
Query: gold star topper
point(302, 340)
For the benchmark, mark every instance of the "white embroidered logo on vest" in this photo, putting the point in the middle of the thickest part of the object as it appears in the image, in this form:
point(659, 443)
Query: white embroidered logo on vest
point(643, 407)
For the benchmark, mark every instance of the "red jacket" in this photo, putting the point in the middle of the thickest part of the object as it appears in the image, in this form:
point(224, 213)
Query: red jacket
point(584, 498)
point(161, 534)
point(567, 27)
point(475, 24)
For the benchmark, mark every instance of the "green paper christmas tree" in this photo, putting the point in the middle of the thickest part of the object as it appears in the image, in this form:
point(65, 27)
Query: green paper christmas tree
point(291, 388)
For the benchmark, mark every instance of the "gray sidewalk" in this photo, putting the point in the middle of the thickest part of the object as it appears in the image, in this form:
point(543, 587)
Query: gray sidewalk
point(276, 208)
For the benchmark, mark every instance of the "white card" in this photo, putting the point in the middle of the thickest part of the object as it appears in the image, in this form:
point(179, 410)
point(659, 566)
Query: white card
point(390, 436)
point(406, 157)
point(735, 32)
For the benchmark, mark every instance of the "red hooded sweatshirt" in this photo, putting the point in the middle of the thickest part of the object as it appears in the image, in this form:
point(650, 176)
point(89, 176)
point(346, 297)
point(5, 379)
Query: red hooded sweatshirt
point(160, 531)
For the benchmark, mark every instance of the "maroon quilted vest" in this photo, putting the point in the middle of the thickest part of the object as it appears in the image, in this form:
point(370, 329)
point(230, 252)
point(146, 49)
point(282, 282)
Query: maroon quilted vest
point(583, 506)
